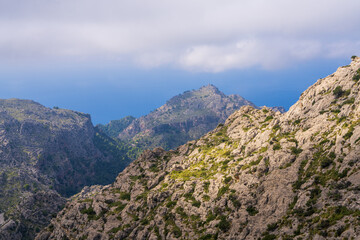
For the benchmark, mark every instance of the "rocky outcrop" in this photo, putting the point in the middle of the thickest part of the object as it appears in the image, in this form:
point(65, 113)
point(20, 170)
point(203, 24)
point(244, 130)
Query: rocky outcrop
point(46, 155)
point(261, 175)
point(184, 117)
point(278, 109)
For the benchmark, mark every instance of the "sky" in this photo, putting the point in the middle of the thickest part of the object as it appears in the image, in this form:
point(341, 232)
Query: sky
point(114, 58)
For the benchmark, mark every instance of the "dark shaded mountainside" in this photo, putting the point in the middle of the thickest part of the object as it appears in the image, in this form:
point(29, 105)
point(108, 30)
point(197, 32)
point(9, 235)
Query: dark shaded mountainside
point(184, 117)
point(46, 155)
point(261, 175)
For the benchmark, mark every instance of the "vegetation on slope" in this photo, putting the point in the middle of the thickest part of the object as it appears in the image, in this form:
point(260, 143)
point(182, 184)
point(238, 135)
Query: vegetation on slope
point(261, 175)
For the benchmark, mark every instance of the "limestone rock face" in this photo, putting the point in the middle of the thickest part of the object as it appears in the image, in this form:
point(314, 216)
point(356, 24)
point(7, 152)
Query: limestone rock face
point(261, 175)
point(184, 117)
point(46, 155)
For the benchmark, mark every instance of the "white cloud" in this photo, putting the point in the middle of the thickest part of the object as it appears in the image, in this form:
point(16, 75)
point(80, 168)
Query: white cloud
point(202, 35)
point(267, 53)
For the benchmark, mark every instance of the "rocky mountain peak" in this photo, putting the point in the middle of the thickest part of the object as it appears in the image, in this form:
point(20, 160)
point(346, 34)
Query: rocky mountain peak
point(336, 92)
point(204, 94)
point(184, 117)
point(260, 175)
point(209, 88)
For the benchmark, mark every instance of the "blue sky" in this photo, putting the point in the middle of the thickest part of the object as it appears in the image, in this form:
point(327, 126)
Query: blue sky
point(114, 58)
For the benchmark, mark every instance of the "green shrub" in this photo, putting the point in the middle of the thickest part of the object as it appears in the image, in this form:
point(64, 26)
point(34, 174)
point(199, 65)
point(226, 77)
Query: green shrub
point(154, 168)
point(295, 150)
point(227, 180)
point(276, 127)
point(125, 196)
point(339, 92)
point(119, 206)
point(234, 200)
point(268, 236)
point(222, 191)
point(296, 122)
point(210, 217)
point(324, 224)
point(181, 212)
point(142, 196)
point(348, 135)
point(252, 210)
point(326, 162)
point(272, 227)
point(277, 146)
point(176, 231)
point(171, 204)
point(206, 198)
point(115, 229)
point(349, 101)
point(268, 118)
point(332, 155)
point(224, 225)
point(90, 213)
point(196, 204)
point(144, 221)
point(189, 196)
point(335, 195)
point(263, 149)
point(340, 230)
point(356, 77)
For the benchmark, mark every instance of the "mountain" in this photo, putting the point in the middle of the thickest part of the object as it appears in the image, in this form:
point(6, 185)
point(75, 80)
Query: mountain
point(114, 127)
point(261, 175)
point(47, 155)
point(184, 117)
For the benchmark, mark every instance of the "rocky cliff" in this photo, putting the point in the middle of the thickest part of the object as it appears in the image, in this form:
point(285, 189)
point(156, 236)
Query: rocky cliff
point(184, 117)
point(46, 155)
point(261, 175)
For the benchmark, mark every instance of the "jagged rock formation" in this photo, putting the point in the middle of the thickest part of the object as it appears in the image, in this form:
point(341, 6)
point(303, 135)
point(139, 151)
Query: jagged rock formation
point(184, 117)
point(278, 109)
point(46, 155)
point(262, 174)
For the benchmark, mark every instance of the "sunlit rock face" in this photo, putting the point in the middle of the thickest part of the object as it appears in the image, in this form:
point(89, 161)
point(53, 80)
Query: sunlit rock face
point(261, 175)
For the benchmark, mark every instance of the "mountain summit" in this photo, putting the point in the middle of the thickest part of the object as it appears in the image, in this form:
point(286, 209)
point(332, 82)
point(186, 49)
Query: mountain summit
point(184, 117)
point(261, 175)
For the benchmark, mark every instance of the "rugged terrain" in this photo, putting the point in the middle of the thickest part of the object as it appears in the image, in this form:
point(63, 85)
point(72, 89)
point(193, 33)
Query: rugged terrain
point(115, 127)
point(46, 155)
point(184, 117)
point(262, 174)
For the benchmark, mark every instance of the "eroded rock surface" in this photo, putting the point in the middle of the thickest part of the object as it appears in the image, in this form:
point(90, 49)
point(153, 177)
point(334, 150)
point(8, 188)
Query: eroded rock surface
point(185, 117)
point(262, 175)
point(46, 155)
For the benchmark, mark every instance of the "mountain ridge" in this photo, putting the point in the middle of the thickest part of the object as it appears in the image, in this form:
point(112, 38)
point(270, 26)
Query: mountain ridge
point(184, 117)
point(47, 155)
point(261, 175)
